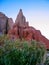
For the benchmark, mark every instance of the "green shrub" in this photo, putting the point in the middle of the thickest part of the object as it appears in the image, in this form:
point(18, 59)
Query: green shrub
point(47, 61)
point(22, 53)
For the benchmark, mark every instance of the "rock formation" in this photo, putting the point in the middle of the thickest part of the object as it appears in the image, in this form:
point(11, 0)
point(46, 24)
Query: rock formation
point(21, 20)
point(5, 23)
point(10, 22)
point(20, 29)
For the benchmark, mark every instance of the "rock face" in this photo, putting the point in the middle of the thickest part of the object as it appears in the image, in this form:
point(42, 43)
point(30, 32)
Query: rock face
point(10, 22)
point(21, 23)
point(22, 30)
point(4, 23)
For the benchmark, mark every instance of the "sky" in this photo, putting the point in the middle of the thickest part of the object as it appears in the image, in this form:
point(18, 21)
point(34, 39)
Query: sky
point(35, 11)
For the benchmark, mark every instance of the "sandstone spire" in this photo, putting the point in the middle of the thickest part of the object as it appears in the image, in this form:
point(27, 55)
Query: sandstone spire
point(20, 13)
point(21, 20)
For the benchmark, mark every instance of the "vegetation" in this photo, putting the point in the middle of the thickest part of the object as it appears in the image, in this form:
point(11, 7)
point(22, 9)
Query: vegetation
point(21, 52)
point(47, 61)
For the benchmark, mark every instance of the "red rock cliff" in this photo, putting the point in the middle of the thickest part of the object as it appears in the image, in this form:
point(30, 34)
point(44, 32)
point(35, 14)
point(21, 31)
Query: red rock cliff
point(22, 30)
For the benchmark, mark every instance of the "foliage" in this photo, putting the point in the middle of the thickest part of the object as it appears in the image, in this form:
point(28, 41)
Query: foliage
point(47, 61)
point(21, 52)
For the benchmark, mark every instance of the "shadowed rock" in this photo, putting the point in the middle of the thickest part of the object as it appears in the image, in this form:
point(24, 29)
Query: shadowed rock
point(4, 24)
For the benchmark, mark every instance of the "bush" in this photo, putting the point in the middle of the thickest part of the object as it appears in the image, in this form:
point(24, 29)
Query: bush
point(47, 61)
point(22, 53)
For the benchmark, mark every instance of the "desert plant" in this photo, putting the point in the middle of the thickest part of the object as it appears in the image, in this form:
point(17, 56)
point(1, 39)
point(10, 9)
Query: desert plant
point(47, 61)
point(22, 53)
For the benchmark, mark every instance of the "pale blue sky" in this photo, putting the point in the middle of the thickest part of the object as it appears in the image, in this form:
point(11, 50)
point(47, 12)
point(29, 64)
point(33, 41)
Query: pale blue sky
point(35, 11)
